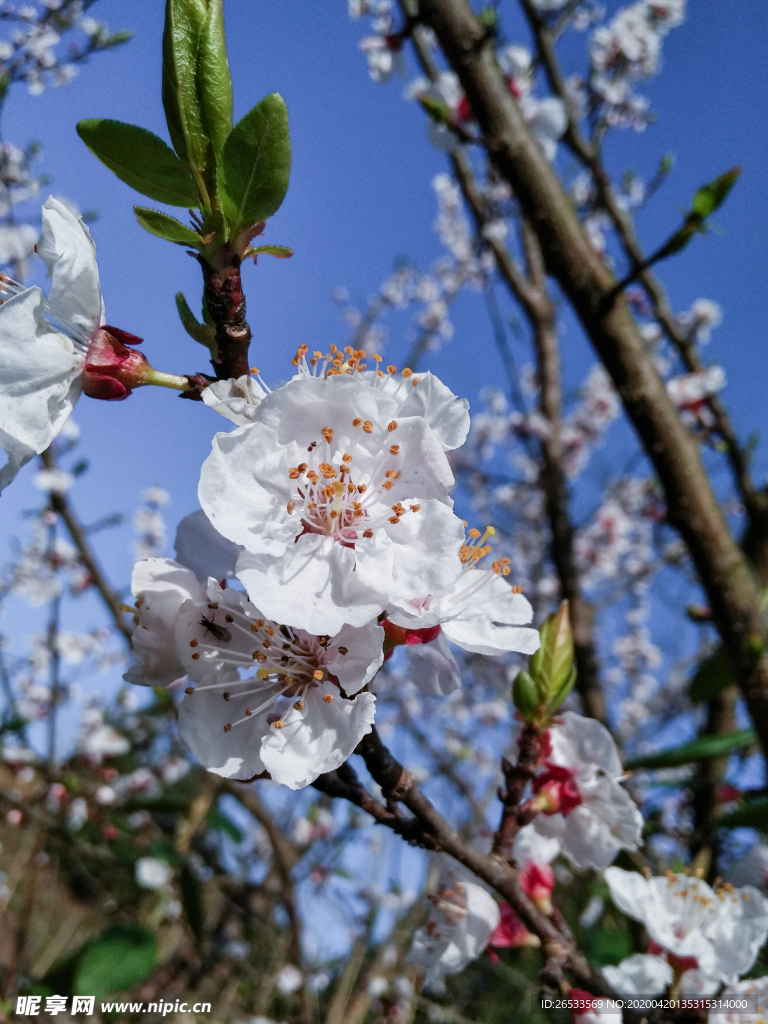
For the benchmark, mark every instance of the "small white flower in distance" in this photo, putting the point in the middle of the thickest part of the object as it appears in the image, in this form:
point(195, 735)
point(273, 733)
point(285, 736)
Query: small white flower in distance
point(202, 549)
point(479, 611)
point(463, 917)
point(271, 697)
point(55, 481)
point(751, 869)
point(289, 979)
point(639, 975)
point(531, 847)
point(340, 505)
point(152, 872)
point(754, 989)
point(41, 368)
point(160, 587)
point(235, 399)
point(580, 797)
point(717, 932)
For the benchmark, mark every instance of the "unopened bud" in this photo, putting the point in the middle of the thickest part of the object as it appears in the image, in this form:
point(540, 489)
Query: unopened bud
point(525, 695)
point(112, 370)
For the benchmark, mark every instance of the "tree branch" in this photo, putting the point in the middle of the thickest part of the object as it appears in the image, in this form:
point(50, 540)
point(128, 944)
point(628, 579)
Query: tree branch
point(691, 504)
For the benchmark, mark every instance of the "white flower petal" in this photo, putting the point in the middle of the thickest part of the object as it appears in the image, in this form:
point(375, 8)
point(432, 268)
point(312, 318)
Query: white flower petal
point(39, 374)
point(447, 415)
point(641, 974)
point(67, 249)
point(313, 586)
point(319, 738)
point(160, 586)
point(233, 754)
point(202, 548)
point(433, 668)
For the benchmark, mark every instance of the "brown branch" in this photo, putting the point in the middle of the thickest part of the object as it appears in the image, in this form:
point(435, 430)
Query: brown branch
point(517, 776)
point(530, 291)
point(691, 504)
point(225, 301)
point(399, 786)
point(61, 505)
point(755, 502)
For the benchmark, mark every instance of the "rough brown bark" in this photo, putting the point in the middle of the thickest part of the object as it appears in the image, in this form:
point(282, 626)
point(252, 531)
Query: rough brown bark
point(224, 298)
point(691, 504)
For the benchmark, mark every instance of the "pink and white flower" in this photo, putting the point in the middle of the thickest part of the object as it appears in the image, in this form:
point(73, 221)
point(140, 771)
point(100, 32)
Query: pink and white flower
point(341, 507)
point(579, 795)
point(717, 932)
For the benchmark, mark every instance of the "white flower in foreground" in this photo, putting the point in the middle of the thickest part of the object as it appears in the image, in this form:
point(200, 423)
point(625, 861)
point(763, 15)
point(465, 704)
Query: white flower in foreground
point(580, 796)
point(271, 697)
point(202, 549)
point(160, 586)
point(753, 989)
point(717, 932)
point(41, 368)
point(463, 917)
point(152, 872)
point(639, 975)
point(432, 667)
point(478, 611)
point(531, 847)
point(340, 505)
point(447, 415)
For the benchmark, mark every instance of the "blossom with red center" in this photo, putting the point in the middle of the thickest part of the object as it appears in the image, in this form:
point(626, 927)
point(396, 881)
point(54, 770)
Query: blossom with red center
point(511, 932)
point(555, 789)
point(538, 881)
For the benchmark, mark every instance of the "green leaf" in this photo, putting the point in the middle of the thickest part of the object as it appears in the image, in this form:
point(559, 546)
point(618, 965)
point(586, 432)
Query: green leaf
point(752, 814)
point(202, 333)
point(120, 957)
point(185, 22)
point(220, 821)
point(160, 224)
point(214, 84)
point(140, 159)
point(710, 197)
point(192, 901)
point(281, 251)
point(438, 110)
point(696, 750)
point(711, 677)
point(551, 665)
point(257, 162)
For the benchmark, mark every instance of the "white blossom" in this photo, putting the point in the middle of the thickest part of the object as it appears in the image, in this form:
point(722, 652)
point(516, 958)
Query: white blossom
point(462, 919)
point(580, 796)
point(152, 872)
point(340, 506)
point(41, 368)
point(720, 930)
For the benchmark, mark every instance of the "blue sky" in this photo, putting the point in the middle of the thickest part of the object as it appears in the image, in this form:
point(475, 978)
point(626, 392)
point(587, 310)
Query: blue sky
point(360, 197)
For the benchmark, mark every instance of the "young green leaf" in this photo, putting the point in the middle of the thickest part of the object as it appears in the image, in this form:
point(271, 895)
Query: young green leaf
point(551, 665)
point(710, 197)
point(185, 22)
point(140, 159)
point(525, 695)
point(160, 224)
point(257, 162)
point(202, 333)
point(214, 84)
point(696, 750)
point(281, 251)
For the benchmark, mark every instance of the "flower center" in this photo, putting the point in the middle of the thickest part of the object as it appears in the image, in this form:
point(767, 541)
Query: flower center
point(291, 662)
point(335, 500)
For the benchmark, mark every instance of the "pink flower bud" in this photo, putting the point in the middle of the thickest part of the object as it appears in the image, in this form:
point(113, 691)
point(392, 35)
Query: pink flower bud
point(112, 369)
point(555, 790)
point(397, 635)
point(510, 932)
point(538, 881)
